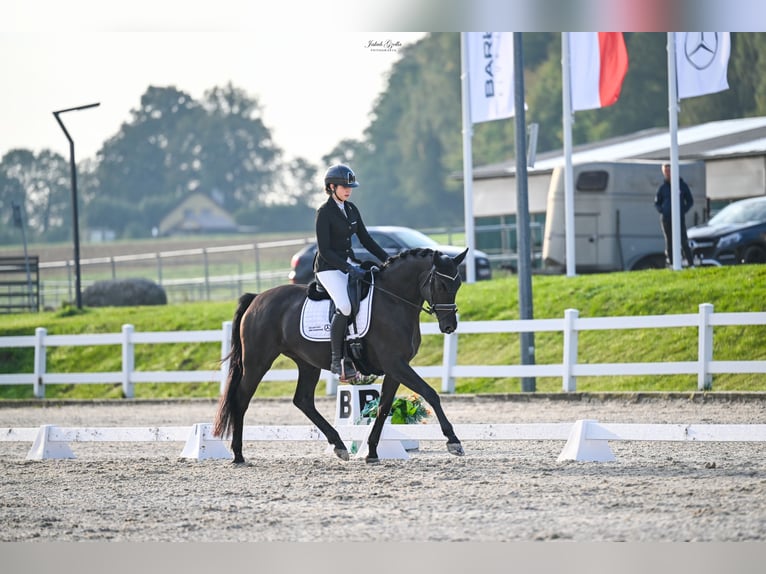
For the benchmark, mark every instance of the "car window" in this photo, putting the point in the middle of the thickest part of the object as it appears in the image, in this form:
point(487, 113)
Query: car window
point(414, 238)
point(385, 241)
point(740, 212)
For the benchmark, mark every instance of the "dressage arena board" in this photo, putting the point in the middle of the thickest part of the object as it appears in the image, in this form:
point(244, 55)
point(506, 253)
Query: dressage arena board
point(586, 440)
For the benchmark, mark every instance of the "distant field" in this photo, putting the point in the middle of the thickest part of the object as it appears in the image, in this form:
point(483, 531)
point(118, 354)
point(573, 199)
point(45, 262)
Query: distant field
point(210, 275)
point(62, 251)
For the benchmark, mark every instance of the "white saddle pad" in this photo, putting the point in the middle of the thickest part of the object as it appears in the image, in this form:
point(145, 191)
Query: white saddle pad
point(315, 319)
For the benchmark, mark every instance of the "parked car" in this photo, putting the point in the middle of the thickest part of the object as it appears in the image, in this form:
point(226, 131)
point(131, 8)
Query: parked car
point(393, 240)
point(736, 234)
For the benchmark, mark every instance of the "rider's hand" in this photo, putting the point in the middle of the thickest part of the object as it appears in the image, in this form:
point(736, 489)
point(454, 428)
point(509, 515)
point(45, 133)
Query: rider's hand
point(355, 272)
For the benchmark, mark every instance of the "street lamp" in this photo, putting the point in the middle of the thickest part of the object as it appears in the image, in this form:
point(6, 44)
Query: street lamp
point(76, 225)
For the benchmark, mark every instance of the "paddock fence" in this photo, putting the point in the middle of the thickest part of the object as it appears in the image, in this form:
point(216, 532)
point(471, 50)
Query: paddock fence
point(704, 366)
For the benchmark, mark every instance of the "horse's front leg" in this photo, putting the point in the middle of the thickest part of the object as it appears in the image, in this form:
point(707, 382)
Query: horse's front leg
point(387, 394)
point(405, 374)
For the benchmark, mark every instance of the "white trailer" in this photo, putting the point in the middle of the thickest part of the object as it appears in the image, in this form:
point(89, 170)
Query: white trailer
point(616, 224)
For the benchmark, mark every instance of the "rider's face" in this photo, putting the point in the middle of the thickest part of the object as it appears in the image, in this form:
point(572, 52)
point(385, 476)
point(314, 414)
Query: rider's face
point(342, 192)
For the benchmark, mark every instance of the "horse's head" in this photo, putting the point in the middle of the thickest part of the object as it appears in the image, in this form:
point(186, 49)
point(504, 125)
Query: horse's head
point(440, 289)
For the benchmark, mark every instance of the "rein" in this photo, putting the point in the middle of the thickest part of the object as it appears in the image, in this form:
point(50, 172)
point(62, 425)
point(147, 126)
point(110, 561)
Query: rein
point(431, 308)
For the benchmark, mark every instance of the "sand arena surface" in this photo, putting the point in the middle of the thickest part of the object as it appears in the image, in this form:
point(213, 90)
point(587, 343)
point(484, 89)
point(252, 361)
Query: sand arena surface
point(297, 491)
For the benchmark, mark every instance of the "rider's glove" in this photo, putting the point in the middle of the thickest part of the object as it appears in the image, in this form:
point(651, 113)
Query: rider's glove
point(355, 272)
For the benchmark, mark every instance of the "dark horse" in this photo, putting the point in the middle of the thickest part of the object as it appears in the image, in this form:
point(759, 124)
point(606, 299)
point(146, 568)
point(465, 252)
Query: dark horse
point(268, 324)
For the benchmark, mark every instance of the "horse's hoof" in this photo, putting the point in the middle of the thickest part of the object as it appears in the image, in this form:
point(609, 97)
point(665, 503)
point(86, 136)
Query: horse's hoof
point(372, 460)
point(455, 448)
point(238, 460)
point(341, 453)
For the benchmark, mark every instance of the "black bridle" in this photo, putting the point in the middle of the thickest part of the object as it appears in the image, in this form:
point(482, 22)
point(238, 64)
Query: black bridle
point(434, 308)
point(431, 308)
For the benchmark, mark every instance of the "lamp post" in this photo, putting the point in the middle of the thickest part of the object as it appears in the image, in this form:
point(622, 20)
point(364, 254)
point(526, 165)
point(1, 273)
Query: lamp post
point(75, 223)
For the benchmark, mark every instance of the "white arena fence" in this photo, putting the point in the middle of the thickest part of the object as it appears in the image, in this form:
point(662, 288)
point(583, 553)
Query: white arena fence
point(586, 440)
point(704, 367)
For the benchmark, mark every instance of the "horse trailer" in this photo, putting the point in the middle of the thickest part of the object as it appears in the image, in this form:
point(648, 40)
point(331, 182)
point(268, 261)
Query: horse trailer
point(617, 227)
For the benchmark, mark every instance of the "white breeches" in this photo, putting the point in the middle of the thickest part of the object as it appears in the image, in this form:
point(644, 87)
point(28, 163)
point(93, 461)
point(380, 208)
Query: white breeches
point(335, 283)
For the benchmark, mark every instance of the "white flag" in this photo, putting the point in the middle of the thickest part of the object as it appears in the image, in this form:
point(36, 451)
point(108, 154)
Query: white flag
point(702, 60)
point(490, 63)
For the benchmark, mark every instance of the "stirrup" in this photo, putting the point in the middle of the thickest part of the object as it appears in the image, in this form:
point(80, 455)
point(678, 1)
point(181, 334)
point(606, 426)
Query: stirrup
point(348, 372)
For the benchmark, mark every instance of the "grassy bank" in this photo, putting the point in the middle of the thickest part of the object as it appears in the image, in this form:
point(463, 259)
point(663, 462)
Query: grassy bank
point(651, 292)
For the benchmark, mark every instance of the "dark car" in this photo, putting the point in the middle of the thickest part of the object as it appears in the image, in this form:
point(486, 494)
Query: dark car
point(736, 234)
point(393, 240)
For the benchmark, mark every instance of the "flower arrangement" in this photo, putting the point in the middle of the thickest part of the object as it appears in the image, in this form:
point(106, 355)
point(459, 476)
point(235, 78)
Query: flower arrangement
point(404, 410)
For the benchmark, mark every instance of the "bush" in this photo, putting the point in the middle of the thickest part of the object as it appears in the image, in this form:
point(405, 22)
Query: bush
point(124, 293)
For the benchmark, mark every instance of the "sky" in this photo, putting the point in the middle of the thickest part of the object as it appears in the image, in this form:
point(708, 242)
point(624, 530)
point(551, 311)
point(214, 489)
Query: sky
point(315, 89)
point(314, 74)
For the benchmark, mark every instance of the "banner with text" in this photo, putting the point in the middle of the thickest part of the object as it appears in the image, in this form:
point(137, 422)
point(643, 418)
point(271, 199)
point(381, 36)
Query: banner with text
point(490, 57)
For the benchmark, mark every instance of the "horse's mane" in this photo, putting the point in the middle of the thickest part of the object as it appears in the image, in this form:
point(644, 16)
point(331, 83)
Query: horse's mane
point(414, 252)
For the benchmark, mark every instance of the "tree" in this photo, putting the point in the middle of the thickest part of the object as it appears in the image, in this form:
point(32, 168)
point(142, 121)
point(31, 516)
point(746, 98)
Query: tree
point(11, 193)
point(42, 183)
point(174, 146)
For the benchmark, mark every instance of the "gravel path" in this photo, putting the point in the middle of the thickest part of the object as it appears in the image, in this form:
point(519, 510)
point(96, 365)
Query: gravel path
point(499, 491)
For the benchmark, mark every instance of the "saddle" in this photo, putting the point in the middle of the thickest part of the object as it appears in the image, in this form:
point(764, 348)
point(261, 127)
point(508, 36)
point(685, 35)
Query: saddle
point(318, 310)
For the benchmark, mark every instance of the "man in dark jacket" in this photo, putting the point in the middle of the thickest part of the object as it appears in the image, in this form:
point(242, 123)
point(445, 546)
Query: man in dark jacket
point(662, 202)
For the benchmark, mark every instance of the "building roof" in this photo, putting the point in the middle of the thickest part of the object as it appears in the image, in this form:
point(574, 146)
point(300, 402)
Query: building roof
point(725, 138)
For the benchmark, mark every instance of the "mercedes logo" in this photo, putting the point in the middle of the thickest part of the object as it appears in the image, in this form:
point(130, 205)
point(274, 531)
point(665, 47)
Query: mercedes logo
point(700, 48)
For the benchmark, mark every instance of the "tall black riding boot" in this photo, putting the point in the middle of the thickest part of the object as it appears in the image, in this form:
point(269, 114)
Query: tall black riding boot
point(337, 339)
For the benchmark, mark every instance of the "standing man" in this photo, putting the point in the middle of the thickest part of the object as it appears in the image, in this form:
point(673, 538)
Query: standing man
point(662, 203)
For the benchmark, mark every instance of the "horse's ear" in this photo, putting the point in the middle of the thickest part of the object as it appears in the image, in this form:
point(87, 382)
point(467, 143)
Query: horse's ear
point(459, 258)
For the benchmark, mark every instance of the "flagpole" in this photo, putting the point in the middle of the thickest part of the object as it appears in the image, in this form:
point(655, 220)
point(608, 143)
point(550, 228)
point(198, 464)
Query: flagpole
point(528, 384)
point(675, 198)
point(569, 223)
point(470, 261)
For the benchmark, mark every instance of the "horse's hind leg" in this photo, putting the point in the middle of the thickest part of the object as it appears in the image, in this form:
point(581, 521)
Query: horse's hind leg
point(308, 377)
point(251, 378)
point(387, 394)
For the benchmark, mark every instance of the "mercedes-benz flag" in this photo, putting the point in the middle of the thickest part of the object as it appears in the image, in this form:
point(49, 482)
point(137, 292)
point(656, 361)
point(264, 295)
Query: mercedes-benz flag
point(702, 60)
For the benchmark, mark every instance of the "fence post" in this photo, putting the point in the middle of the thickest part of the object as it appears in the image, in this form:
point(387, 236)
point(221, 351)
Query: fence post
point(568, 381)
point(38, 387)
point(207, 274)
point(225, 349)
point(705, 352)
point(159, 268)
point(128, 361)
point(331, 383)
point(449, 360)
point(257, 267)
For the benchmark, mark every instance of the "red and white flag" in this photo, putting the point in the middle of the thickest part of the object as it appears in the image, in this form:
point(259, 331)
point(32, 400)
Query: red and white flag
point(598, 64)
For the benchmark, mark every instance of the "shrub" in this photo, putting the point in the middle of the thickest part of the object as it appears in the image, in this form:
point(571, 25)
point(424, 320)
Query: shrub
point(124, 293)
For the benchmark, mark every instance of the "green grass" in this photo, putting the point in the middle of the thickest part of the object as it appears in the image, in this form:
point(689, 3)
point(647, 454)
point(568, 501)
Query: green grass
point(651, 292)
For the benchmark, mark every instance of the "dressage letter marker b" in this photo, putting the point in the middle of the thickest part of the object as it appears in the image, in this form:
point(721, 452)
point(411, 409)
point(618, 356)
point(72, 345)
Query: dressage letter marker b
point(351, 401)
point(344, 404)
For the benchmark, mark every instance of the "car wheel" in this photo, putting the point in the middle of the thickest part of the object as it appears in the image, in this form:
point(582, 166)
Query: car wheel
point(754, 254)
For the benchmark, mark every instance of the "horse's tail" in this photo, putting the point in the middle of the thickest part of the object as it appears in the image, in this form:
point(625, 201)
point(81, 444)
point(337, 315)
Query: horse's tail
point(227, 404)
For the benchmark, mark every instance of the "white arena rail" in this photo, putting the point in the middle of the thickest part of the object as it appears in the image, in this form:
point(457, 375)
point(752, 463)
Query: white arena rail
point(704, 366)
point(586, 440)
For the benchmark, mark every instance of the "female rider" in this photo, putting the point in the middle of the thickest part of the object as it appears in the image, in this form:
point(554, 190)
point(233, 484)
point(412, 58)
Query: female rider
point(335, 263)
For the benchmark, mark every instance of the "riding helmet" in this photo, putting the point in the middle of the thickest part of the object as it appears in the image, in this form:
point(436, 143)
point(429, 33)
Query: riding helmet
point(340, 174)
